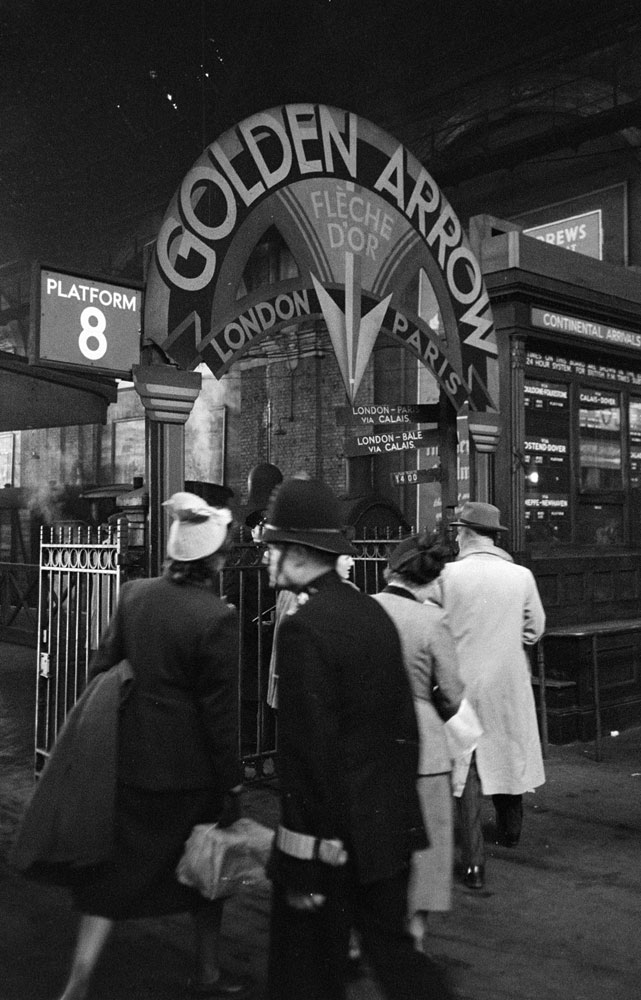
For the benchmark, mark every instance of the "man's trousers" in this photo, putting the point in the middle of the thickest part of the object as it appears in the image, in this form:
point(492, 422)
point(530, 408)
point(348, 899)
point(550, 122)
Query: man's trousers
point(509, 817)
point(308, 952)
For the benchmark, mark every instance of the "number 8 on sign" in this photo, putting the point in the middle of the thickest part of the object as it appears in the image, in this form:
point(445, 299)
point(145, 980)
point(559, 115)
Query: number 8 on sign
point(93, 323)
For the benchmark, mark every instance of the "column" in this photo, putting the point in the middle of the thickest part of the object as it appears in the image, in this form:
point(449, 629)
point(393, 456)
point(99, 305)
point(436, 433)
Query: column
point(485, 430)
point(168, 395)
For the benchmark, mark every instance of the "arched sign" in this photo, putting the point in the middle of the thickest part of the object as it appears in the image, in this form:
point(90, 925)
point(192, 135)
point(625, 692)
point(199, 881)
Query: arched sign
point(376, 245)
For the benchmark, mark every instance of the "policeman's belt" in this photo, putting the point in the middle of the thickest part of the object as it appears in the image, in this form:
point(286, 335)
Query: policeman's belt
point(308, 848)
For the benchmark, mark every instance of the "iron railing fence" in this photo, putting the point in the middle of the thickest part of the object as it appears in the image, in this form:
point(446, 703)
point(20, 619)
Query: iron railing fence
point(80, 575)
point(244, 583)
point(79, 583)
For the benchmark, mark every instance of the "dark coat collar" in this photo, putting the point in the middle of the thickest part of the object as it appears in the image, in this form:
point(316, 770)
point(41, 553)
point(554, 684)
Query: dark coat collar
point(399, 591)
point(322, 582)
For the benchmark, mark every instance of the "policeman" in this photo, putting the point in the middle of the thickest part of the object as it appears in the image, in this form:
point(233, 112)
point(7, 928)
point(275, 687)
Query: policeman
point(348, 754)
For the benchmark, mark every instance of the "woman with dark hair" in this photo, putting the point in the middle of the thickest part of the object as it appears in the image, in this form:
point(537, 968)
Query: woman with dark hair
point(177, 751)
point(432, 666)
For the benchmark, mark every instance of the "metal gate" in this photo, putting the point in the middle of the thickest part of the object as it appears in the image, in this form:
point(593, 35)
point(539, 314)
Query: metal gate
point(244, 583)
point(80, 575)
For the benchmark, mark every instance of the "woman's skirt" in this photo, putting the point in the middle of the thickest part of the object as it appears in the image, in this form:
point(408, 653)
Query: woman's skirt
point(139, 879)
point(430, 885)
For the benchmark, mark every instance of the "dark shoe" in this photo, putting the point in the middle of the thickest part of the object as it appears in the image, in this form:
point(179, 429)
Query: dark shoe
point(474, 877)
point(225, 986)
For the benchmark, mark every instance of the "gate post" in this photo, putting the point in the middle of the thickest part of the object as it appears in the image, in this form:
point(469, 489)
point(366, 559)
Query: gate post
point(168, 395)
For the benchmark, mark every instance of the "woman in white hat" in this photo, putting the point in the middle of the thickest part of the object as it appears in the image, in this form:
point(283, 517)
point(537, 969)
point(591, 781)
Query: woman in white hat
point(177, 761)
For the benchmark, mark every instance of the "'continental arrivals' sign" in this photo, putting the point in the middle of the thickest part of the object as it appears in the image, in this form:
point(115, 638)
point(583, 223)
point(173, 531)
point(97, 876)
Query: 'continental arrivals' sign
point(374, 242)
point(585, 328)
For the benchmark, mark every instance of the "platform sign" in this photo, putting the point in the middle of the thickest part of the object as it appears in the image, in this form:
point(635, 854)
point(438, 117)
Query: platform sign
point(86, 323)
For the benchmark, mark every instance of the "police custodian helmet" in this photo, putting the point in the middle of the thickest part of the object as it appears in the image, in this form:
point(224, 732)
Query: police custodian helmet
point(306, 512)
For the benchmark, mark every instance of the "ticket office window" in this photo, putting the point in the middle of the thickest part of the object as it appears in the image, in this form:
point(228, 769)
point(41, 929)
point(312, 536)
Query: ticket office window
point(576, 441)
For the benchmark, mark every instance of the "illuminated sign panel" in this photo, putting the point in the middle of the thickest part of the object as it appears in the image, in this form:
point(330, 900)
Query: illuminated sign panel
point(87, 323)
point(579, 233)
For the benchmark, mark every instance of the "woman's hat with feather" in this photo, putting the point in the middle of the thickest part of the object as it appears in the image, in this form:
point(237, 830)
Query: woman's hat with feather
point(197, 530)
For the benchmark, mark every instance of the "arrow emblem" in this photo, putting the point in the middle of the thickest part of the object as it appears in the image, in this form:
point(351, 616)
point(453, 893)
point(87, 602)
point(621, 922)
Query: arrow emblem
point(353, 336)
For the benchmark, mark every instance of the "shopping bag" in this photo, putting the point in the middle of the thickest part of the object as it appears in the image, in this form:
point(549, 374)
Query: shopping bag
point(219, 861)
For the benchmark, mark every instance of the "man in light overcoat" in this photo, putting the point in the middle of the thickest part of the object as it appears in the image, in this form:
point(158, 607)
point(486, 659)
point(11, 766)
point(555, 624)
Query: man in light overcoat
point(493, 609)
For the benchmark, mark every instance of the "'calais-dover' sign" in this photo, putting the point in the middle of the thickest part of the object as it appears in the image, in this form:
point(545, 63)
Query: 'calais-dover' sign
point(88, 323)
point(374, 242)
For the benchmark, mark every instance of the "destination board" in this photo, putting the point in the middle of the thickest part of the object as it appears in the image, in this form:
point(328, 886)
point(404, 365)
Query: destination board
point(388, 413)
point(547, 460)
point(386, 441)
point(414, 477)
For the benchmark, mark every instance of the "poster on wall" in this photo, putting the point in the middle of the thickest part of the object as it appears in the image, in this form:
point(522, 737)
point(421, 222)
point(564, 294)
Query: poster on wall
point(594, 223)
point(6, 459)
point(547, 460)
point(128, 449)
point(579, 233)
point(205, 442)
point(635, 443)
point(600, 448)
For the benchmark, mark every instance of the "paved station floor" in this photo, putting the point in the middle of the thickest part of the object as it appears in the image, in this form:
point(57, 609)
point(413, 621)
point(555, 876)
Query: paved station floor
point(559, 918)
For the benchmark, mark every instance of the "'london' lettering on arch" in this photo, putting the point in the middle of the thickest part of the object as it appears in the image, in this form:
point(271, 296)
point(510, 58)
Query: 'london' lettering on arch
point(337, 188)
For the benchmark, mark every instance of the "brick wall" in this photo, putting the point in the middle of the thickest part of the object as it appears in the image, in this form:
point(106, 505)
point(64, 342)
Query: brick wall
point(304, 436)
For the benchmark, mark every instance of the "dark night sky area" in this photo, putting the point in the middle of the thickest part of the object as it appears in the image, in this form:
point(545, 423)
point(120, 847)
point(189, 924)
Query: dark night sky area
point(88, 133)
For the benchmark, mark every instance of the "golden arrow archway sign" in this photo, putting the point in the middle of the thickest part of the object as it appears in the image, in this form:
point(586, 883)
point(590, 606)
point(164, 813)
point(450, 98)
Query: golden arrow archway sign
point(376, 244)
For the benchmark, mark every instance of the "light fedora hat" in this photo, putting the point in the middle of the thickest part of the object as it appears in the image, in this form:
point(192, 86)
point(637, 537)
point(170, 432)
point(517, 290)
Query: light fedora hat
point(197, 530)
point(475, 514)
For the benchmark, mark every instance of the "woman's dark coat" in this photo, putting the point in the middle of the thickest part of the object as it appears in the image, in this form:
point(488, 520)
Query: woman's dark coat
point(173, 751)
point(179, 725)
